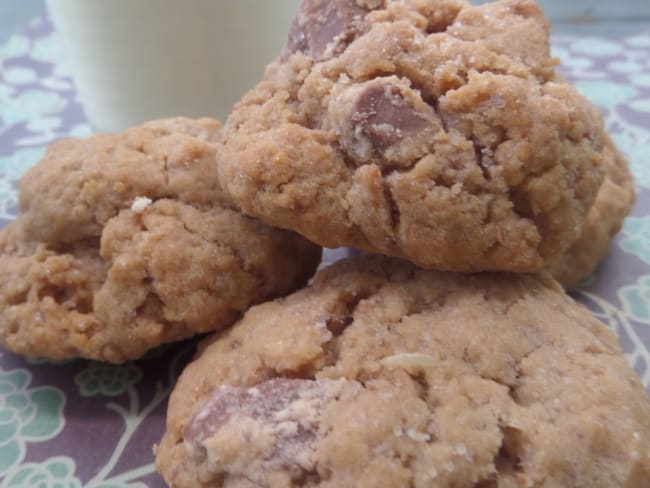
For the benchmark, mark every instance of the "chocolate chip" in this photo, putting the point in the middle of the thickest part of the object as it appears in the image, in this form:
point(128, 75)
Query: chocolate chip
point(215, 413)
point(386, 117)
point(320, 24)
point(289, 408)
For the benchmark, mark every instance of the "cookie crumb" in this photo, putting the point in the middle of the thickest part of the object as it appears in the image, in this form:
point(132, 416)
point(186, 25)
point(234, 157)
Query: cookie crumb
point(418, 436)
point(410, 362)
point(461, 450)
point(140, 204)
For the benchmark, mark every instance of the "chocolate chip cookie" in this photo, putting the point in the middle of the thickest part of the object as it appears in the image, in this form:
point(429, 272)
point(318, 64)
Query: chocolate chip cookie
point(381, 374)
point(613, 203)
point(431, 130)
point(124, 242)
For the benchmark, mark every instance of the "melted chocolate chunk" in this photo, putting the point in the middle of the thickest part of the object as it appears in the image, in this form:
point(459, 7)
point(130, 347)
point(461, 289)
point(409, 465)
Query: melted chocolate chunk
point(216, 412)
point(385, 117)
point(260, 403)
point(319, 23)
point(290, 408)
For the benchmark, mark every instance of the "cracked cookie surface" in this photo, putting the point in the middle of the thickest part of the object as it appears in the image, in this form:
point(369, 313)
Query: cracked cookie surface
point(380, 374)
point(124, 243)
point(425, 129)
point(613, 203)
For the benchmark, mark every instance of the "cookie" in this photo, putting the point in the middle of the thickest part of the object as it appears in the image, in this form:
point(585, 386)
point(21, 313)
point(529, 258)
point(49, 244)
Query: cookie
point(381, 374)
point(82, 183)
point(431, 130)
point(613, 203)
point(605, 218)
point(125, 249)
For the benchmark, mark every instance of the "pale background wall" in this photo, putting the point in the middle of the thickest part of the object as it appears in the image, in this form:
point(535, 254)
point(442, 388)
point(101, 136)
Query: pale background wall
point(601, 9)
point(624, 12)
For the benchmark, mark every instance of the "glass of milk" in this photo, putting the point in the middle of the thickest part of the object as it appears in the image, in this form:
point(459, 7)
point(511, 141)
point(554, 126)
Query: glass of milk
point(136, 60)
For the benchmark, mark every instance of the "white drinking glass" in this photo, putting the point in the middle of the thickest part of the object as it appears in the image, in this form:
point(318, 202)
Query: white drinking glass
point(135, 60)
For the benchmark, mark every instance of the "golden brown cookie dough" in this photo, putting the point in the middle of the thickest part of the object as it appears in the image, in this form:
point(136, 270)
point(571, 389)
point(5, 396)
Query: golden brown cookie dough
point(83, 183)
point(381, 374)
point(125, 249)
point(426, 129)
point(613, 203)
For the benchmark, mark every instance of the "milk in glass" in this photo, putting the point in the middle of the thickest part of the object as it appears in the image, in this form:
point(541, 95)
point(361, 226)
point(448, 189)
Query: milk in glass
point(135, 60)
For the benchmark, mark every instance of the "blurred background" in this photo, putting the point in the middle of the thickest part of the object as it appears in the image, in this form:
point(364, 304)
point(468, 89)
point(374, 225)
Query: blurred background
point(561, 11)
point(595, 16)
point(585, 10)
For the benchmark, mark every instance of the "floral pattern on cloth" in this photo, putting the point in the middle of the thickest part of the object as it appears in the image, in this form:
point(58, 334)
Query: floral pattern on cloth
point(615, 75)
point(26, 415)
point(55, 472)
point(73, 424)
point(38, 104)
point(107, 379)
